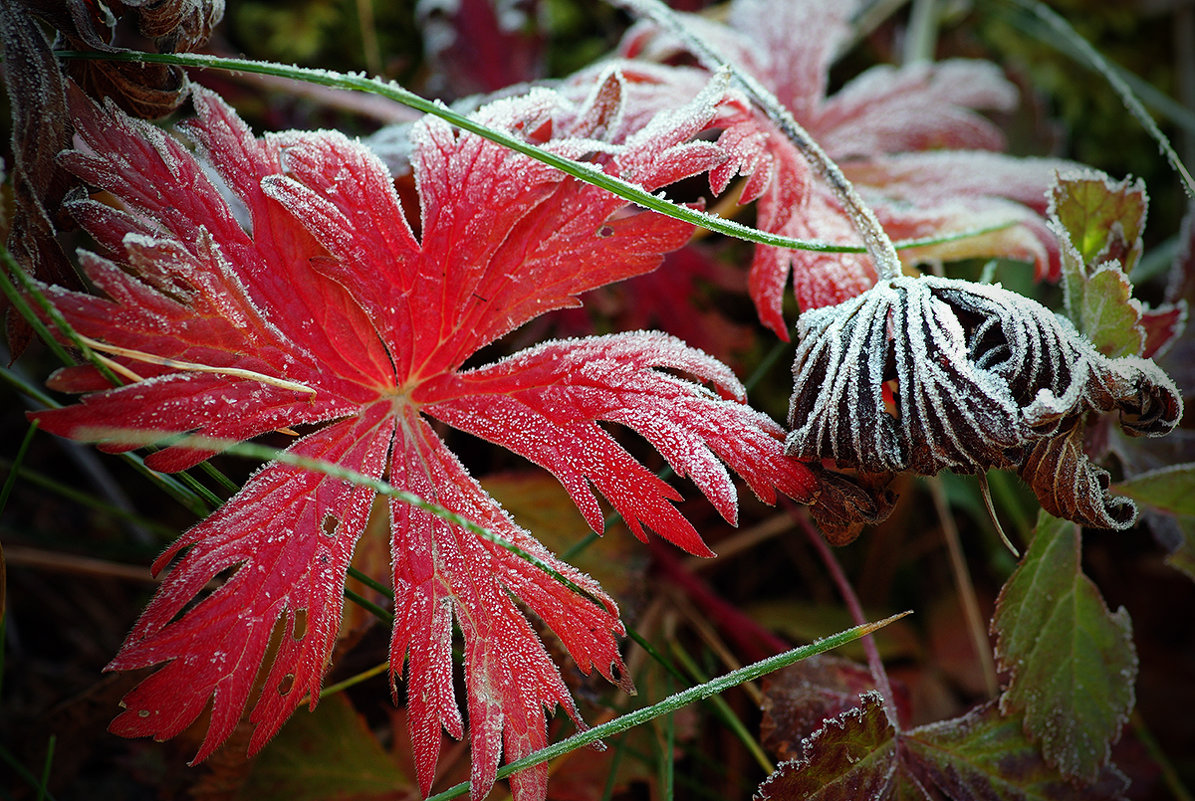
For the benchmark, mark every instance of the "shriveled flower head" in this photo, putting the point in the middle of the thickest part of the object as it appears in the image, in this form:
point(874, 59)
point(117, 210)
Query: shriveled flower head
point(980, 378)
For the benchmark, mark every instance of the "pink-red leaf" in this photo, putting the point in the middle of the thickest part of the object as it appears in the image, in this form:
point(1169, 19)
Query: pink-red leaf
point(289, 534)
point(789, 47)
point(308, 299)
point(545, 403)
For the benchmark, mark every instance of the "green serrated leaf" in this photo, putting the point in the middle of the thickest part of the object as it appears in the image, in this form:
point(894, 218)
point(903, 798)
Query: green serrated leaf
point(1070, 662)
point(986, 755)
point(327, 754)
point(1099, 222)
point(1104, 218)
point(1109, 315)
point(1168, 489)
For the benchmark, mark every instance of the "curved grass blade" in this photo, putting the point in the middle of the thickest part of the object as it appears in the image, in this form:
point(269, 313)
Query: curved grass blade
point(1093, 59)
point(680, 699)
point(581, 171)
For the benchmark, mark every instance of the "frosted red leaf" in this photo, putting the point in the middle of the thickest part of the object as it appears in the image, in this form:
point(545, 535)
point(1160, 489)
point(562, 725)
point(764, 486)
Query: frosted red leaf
point(789, 46)
point(329, 312)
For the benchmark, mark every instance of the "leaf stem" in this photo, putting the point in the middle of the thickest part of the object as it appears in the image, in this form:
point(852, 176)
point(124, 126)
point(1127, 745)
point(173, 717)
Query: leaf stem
point(11, 481)
point(340, 686)
point(680, 699)
point(24, 773)
point(42, 792)
point(874, 663)
point(371, 582)
point(1170, 776)
point(21, 304)
point(922, 33)
point(369, 606)
point(731, 720)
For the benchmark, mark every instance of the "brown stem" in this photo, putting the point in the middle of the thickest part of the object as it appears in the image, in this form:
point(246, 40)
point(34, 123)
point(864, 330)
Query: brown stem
point(965, 589)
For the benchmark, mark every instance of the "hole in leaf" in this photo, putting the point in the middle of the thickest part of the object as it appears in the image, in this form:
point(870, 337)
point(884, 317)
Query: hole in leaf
point(287, 683)
point(892, 399)
point(143, 713)
point(329, 525)
point(605, 231)
point(298, 626)
point(216, 581)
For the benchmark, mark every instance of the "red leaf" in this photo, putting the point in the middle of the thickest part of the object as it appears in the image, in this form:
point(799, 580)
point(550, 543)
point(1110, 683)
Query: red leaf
point(290, 534)
point(328, 311)
point(789, 46)
point(558, 391)
point(479, 46)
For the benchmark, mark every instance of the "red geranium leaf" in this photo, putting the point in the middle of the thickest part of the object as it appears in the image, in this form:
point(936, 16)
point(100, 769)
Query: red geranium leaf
point(289, 534)
point(314, 302)
point(442, 573)
point(789, 46)
point(545, 403)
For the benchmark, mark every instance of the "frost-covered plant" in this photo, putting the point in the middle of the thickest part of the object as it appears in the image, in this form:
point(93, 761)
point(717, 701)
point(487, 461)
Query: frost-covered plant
point(910, 139)
point(323, 310)
point(984, 378)
point(329, 311)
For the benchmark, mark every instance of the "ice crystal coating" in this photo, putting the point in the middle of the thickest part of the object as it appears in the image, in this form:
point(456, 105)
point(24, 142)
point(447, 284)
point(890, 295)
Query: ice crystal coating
point(329, 312)
point(911, 139)
point(980, 378)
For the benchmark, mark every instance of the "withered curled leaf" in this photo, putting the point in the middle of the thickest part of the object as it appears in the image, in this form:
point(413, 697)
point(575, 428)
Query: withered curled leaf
point(980, 378)
point(146, 90)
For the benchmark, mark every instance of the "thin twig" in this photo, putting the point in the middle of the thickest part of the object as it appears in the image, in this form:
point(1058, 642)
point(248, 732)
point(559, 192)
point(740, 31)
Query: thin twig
point(876, 665)
point(966, 590)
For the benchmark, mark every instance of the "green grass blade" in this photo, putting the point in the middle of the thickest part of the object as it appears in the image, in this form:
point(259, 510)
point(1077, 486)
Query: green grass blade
point(1096, 61)
point(680, 699)
point(584, 172)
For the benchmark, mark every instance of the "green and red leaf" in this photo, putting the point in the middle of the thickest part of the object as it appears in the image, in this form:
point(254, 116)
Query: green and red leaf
point(1068, 660)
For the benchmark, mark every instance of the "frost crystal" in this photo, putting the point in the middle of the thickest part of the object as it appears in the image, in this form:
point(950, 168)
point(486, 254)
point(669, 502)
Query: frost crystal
point(980, 378)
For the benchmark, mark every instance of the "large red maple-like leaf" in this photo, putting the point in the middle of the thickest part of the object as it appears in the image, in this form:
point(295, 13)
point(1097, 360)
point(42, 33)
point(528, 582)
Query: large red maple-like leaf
point(322, 308)
point(959, 184)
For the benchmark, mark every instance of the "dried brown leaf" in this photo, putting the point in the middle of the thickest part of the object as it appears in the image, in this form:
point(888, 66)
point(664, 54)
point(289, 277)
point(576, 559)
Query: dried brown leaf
point(981, 378)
